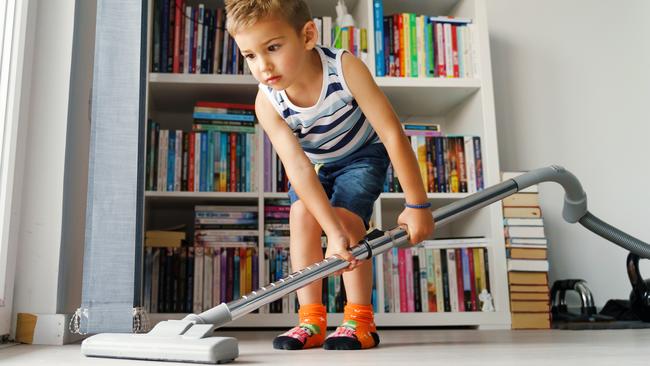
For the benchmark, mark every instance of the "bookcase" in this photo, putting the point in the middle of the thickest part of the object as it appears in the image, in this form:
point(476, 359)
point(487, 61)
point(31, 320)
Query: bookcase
point(461, 106)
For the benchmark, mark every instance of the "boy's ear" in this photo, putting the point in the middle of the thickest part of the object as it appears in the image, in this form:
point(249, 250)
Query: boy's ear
point(310, 35)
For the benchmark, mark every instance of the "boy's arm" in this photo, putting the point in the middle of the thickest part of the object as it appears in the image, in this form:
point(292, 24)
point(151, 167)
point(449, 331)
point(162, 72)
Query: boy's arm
point(380, 114)
point(299, 169)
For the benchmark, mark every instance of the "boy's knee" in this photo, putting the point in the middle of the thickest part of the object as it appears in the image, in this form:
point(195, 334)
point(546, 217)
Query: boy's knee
point(301, 215)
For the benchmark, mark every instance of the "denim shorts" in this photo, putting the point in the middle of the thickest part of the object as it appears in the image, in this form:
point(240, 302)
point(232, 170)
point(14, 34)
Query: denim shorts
point(354, 182)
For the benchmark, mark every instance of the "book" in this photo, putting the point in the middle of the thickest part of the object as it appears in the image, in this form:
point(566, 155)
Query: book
point(530, 307)
point(513, 221)
point(522, 200)
point(529, 288)
point(527, 265)
point(527, 278)
point(536, 232)
point(522, 212)
point(529, 296)
point(526, 253)
point(531, 321)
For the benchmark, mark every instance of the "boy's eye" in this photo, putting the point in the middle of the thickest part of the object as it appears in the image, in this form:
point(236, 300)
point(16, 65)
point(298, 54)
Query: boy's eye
point(274, 47)
point(249, 56)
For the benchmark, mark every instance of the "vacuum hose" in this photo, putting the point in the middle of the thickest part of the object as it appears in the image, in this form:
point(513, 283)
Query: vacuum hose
point(378, 242)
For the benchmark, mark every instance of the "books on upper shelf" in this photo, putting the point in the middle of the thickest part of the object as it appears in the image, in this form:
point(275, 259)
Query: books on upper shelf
point(431, 278)
point(414, 45)
point(353, 39)
point(527, 259)
point(193, 39)
point(218, 155)
point(451, 164)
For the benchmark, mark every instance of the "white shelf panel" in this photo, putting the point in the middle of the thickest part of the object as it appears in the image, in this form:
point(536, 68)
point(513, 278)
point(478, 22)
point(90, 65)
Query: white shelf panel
point(188, 196)
point(276, 195)
point(426, 96)
point(431, 196)
point(179, 92)
point(491, 319)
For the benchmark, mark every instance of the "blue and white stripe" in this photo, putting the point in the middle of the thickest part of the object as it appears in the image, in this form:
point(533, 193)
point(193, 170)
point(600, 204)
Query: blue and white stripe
point(335, 126)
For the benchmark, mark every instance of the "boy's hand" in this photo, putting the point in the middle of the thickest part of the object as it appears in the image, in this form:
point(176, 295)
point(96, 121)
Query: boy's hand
point(339, 245)
point(418, 223)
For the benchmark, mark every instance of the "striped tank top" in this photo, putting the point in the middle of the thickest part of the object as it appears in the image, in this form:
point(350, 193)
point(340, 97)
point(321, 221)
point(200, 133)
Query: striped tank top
point(335, 126)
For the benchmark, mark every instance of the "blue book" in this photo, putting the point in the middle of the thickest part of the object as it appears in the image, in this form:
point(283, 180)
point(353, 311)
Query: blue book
point(478, 163)
point(164, 47)
point(223, 166)
point(224, 116)
point(203, 168)
point(209, 182)
point(440, 164)
point(467, 287)
point(171, 160)
point(378, 14)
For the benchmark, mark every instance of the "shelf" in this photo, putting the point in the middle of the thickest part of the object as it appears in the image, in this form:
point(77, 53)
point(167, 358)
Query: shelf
point(179, 92)
point(409, 96)
point(381, 319)
point(431, 196)
point(231, 196)
point(426, 96)
point(276, 195)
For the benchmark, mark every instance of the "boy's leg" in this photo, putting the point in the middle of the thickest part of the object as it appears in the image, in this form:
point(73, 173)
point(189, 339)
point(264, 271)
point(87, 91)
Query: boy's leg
point(305, 249)
point(358, 329)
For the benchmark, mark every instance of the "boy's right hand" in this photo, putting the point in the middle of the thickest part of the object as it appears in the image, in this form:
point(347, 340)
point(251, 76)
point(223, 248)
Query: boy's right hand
point(339, 245)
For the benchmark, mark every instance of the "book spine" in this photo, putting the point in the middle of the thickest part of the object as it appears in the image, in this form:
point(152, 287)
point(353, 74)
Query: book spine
point(472, 278)
point(176, 67)
point(403, 293)
point(445, 280)
point(453, 280)
point(378, 14)
point(478, 163)
point(460, 287)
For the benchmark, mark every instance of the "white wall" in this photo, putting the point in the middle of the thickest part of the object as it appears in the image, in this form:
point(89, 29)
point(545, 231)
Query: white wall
point(572, 87)
point(40, 258)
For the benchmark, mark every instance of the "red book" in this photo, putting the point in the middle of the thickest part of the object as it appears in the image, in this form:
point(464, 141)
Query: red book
point(176, 68)
point(400, 27)
point(472, 276)
point(233, 162)
point(441, 70)
point(459, 280)
point(454, 44)
point(248, 107)
point(190, 164)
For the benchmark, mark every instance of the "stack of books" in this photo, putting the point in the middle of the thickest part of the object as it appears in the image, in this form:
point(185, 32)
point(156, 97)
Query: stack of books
point(275, 177)
point(526, 250)
point(216, 156)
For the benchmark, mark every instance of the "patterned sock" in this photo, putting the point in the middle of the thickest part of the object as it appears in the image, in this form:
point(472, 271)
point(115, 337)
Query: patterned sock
point(310, 333)
point(358, 330)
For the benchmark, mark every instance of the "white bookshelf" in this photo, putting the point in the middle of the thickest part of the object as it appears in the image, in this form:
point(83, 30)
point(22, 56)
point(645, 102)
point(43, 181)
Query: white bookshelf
point(460, 106)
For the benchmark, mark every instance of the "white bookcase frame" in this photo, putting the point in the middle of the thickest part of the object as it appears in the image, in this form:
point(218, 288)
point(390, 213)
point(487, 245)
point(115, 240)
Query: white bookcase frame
point(461, 106)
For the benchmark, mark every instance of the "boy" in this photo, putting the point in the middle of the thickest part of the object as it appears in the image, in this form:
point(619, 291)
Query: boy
point(329, 123)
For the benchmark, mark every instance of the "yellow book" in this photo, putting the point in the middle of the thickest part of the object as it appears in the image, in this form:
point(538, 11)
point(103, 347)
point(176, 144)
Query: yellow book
point(180, 235)
point(531, 212)
point(528, 278)
point(482, 270)
point(531, 321)
point(529, 296)
point(249, 269)
point(521, 200)
point(529, 288)
point(530, 307)
point(422, 158)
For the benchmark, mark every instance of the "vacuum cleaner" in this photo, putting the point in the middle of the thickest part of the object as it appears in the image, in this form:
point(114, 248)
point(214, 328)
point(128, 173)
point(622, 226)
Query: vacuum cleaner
point(191, 340)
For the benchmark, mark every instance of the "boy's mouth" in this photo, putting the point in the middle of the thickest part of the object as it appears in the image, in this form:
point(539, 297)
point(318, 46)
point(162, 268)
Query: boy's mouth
point(273, 80)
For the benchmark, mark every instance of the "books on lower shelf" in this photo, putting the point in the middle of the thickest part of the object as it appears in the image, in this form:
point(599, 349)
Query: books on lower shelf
point(527, 259)
point(275, 177)
point(433, 277)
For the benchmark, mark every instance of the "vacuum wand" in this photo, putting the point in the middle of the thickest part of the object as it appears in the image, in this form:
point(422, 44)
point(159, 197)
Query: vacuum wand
point(375, 243)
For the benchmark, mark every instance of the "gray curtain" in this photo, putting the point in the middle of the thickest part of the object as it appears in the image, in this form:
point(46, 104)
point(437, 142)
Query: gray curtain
point(111, 272)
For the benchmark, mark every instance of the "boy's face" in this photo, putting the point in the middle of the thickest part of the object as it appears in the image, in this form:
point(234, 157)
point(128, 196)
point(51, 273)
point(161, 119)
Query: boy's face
point(275, 52)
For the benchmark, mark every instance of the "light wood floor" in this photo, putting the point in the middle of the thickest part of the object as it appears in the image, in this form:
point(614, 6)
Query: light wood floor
point(407, 347)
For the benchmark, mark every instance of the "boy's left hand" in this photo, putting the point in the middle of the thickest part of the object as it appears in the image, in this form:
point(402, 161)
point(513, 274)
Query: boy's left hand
point(418, 223)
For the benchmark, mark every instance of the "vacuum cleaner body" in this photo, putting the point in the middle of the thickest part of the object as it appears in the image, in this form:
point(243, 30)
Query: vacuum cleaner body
point(190, 339)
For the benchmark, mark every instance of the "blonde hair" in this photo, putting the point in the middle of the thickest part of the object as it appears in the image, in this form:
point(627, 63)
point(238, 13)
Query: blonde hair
point(245, 13)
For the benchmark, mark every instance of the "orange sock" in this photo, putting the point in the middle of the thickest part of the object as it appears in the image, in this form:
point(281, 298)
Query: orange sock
point(358, 330)
point(309, 333)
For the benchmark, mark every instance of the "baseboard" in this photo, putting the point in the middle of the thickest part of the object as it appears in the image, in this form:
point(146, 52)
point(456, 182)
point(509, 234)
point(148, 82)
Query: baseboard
point(45, 329)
